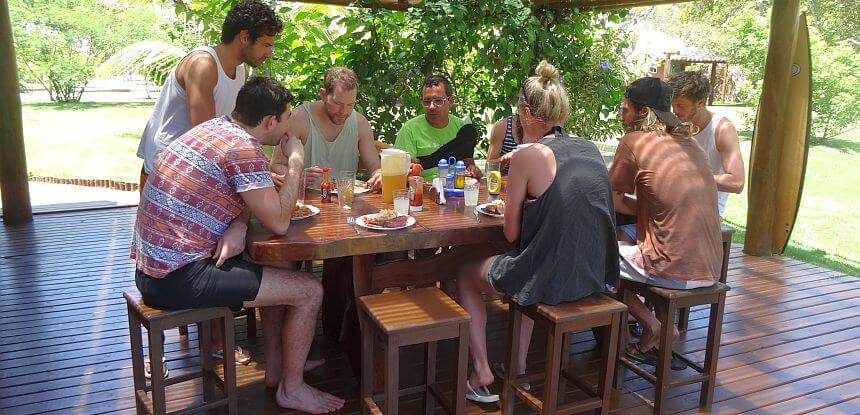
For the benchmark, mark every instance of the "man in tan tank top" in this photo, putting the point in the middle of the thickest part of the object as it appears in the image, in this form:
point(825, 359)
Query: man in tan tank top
point(333, 133)
point(720, 142)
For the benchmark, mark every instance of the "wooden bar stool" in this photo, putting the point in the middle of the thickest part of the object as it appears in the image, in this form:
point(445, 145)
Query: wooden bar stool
point(667, 303)
point(684, 313)
point(561, 321)
point(156, 321)
point(395, 319)
point(250, 314)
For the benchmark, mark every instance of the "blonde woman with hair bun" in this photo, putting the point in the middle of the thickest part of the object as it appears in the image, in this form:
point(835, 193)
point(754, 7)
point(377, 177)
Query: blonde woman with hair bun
point(558, 215)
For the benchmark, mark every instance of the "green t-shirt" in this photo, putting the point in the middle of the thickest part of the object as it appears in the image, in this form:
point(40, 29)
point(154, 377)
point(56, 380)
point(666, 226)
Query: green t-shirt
point(418, 138)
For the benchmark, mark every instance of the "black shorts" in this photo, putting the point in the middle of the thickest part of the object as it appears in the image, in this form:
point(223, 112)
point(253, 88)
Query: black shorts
point(200, 284)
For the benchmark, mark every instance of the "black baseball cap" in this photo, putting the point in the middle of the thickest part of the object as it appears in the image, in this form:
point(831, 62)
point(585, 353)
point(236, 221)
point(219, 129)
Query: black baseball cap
point(655, 94)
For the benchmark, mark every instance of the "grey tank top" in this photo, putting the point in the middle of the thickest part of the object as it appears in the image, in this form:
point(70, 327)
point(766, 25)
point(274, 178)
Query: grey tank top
point(567, 248)
point(340, 154)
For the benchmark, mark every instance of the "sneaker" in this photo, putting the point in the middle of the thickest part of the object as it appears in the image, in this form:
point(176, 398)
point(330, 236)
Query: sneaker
point(147, 372)
point(243, 358)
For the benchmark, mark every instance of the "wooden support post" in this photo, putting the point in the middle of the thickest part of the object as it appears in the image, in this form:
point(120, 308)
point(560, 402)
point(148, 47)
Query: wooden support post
point(713, 83)
point(770, 128)
point(13, 162)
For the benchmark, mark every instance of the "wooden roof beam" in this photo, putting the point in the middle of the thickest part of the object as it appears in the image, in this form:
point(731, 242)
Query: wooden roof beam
point(599, 4)
point(555, 4)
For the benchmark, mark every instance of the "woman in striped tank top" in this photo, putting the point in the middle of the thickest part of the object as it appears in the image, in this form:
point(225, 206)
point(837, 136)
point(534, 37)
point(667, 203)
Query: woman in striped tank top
point(506, 135)
point(504, 138)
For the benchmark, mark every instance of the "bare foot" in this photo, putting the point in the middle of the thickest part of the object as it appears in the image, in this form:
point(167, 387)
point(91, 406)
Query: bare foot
point(308, 399)
point(273, 376)
point(481, 378)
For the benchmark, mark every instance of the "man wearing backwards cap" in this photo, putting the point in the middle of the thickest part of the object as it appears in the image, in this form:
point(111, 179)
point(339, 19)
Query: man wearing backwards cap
point(677, 243)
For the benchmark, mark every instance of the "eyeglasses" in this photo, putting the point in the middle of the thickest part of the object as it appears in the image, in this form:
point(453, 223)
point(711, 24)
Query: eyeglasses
point(437, 101)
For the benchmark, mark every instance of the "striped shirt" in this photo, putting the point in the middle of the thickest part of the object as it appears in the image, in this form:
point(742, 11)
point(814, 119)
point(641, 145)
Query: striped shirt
point(193, 195)
point(508, 144)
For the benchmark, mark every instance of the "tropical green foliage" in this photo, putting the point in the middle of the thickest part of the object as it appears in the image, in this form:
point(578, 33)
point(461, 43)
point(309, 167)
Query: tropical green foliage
point(486, 48)
point(740, 31)
point(59, 43)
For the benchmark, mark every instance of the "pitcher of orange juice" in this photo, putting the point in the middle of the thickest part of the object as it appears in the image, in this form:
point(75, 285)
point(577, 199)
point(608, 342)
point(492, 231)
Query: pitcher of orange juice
point(395, 167)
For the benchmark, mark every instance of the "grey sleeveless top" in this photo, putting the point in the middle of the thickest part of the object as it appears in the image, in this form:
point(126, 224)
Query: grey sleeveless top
point(567, 248)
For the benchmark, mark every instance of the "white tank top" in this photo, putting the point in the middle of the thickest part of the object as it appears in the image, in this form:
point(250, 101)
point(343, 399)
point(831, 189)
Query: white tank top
point(707, 141)
point(170, 117)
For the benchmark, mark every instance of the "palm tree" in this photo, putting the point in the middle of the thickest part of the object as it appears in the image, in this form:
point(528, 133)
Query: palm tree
point(152, 59)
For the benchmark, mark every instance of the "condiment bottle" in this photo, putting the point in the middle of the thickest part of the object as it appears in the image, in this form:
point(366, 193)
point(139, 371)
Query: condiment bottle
point(325, 186)
point(460, 175)
point(443, 168)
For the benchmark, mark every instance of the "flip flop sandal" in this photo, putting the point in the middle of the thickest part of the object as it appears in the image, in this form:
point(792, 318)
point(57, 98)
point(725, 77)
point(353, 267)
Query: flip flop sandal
point(498, 370)
point(649, 357)
point(481, 394)
point(243, 358)
point(147, 373)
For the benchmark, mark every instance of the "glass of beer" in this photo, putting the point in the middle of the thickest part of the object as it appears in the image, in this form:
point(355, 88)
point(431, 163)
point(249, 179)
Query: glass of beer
point(494, 178)
point(346, 189)
point(395, 166)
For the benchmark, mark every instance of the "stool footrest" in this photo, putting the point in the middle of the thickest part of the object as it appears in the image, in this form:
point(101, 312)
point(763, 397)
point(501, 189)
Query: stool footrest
point(638, 370)
point(701, 377)
point(182, 378)
point(584, 387)
point(695, 366)
point(202, 408)
point(579, 407)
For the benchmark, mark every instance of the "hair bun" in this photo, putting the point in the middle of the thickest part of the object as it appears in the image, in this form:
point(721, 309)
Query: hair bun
point(547, 72)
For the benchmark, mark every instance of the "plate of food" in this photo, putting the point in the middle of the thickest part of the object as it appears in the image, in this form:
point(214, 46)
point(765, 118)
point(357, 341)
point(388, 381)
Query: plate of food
point(360, 187)
point(385, 220)
point(495, 208)
point(304, 211)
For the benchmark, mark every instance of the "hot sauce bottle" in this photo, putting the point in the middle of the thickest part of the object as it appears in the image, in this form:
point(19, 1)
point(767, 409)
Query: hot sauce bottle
point(325, 186)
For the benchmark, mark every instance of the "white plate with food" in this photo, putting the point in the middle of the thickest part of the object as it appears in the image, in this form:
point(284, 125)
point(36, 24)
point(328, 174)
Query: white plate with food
point(495, 209)
point(360, 187)
point(304, 211)
point(385, 220)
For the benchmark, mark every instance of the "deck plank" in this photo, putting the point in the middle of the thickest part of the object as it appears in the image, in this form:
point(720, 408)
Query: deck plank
point(790, 344)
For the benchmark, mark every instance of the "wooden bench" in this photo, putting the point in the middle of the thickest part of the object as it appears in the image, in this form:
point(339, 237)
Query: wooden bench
point(667, 303)
point(561, 321)
point(156, 322)
point(395, 319)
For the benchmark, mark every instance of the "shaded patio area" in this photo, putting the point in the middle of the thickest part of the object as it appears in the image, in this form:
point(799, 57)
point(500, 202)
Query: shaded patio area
point(790, 343)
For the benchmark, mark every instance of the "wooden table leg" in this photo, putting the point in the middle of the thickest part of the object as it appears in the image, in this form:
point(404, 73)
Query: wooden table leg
point(337, 293)
point(350, 334)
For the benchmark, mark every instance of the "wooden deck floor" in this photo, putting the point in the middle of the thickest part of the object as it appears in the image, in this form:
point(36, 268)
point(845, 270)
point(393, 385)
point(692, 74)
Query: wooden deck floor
point(791, 339)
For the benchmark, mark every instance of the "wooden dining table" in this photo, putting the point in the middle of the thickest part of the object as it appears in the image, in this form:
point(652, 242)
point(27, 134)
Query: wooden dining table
point(375, 260)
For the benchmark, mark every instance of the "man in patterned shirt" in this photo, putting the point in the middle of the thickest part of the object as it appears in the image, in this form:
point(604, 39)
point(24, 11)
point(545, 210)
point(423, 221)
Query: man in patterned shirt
point(191, 226)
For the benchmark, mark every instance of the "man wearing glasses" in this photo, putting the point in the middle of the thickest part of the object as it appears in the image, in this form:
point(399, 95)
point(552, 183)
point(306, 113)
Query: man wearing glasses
point(205, 83)
point(437, 134)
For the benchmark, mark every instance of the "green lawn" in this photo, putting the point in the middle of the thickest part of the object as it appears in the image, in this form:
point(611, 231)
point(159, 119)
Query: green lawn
point(827, 231)
point(85, 140)
point(99, 140)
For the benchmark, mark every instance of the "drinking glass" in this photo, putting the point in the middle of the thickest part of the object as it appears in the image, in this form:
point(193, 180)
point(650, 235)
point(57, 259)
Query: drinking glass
point(401, 201)
point(300, 200)
point(346, 189)
point(470, 192)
